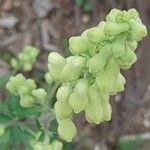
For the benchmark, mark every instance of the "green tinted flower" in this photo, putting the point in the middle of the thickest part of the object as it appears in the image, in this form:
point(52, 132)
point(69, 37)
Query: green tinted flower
point(111, 17)
point(105, 79)
point(56, 145)
point(26, 100)
point(38, 146)
point(48, 78)
point(92, 73)
point(79, 98)
point(138, 30)
point(94, 110)
point(96, 63)
point(55, 64)
point(112, 29)
point(106, 115)
point(73, 69)
point(66, 130)
point(62, 110)
point(128, 57)
point(97, 34)
point(26, 89)
point(119, 84)
point(64, 93)
point(118, 46)
point(40, 94)
point(132, 45)
point(14, 83)
point(80, 45)
point(25, 59)
point(14, 63)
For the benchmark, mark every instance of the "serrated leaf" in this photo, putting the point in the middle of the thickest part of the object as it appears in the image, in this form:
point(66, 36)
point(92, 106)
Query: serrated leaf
point(20, 111)
point(5, 137)
point(27, 112)
point(4, 80)
point(4, 118)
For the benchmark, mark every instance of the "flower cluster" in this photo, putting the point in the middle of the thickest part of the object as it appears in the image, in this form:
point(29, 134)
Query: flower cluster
point(92, 73)
point(25, 59)
point(54, 145)
point(26, 89)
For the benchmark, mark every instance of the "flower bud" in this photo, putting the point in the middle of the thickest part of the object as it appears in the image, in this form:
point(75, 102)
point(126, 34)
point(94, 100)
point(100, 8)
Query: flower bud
point(38, 146)
point(40, 94)
point(111, 17)
point(79, 98)
point(30, 50)
point(119, 45)
point(62, 110)
point(72, 70)
point(128, 57)
point(113, 29)
point(63, 93)
point(66, 130)
point(31, 84)
point(23, 58)
point(48, 78)
point(42, 146)
point(119, 85)
point(26, 101)
point(94, 110)
point(105, 79)
point(97, 34)
point(122, 16)
point(133, 13)
point(56, 64)
point(27, 58)
point(106, 107)
point(47, 147)
point(14, 83)
point(27, 66)
point(56, 145)
point(132, 45)
point(139, 30)
point(80, 45)
point(14, 63)
point(96, 63)
point(23, 89)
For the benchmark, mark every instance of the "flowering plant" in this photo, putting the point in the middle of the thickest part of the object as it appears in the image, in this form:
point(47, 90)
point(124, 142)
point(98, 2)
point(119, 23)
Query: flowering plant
point(88, 77)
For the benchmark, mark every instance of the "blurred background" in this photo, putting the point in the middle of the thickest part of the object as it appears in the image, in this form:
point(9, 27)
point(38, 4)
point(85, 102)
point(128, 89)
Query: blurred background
point(48, 24)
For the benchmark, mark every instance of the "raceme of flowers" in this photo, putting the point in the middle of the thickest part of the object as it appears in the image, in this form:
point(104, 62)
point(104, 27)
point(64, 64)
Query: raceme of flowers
point(25, 59)
point(92, 73)
point(26, 89)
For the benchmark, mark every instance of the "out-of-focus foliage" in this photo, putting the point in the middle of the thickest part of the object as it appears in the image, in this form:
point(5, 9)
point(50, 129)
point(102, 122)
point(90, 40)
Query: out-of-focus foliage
point(85, 4)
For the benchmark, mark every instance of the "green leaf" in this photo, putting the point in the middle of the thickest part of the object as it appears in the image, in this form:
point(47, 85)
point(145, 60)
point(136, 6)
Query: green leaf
point(87, 7)
point(5, 138)
point(19, 136)
point(4, 118)
point(4, 108)
point(79, 2)
point(4, 80)
point(20, 111)
point(27, 112)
